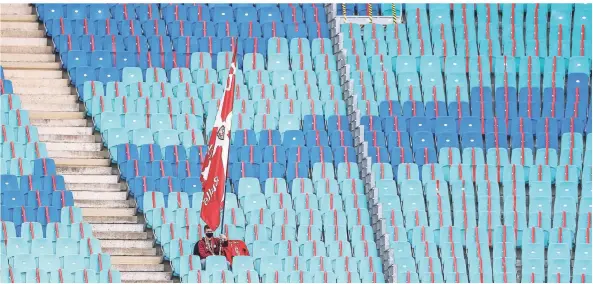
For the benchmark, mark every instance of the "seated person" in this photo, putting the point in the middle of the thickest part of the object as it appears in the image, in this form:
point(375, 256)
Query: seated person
point(209, 245)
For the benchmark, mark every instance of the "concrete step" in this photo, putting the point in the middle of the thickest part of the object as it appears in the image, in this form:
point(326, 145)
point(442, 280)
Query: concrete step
point(122, 235)
point(103, 179)
point(108, 212)
point(146, 276)
point(126, 243)
point(27, 49)
point(45, 83)
point(18, 25)
point(68, 138)
point(21, 33)
point(73, 170)
point(79, 154)
point(39, 74)
point(99, 227)
point(82, 162)
point(94, 186)
point(45, 106)
point(66, 130)
point(136, 260)
point(112, 219)
point(48, 92)
point(53, 146)
point(29, 100)
point(57, 115)
point(60, 122)
point(138, 267)
point(130, 251)
point(23, 57)
point(101, 196)
point(82, 203)
point(21, 41)
point(16, 10)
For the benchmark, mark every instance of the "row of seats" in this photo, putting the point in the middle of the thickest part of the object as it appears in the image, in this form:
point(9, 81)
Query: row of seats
point(58, 275)
point(194, 12)
point(22, 166)
point(37, 198)
point(53, 231)
point(27, 183)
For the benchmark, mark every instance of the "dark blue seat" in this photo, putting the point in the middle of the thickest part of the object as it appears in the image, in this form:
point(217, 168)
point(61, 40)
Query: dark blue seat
point(160, 43)
point(168, 184)
point(59, 26)
point(250, 154)
point(572, 124)
point(38, 198)
point(270, 14)
point(9, 183)
point(505, 103)
point(529, 103)
point(472, 140)
point(316, 138)
point(495, 140)
point(47, 214)
point(549, 108)
point(445, 124)
point(175, 153)
point(109, 74)
point(520, 140)
point(344, 155)
point(44, 167)
point(23, 214)
point(470, 124)
point(339, 122)
point(126, 152)
point(291, 138)
point(296, 170)
point(317, 30)
point(30, 182)
point(424, 156)
point(521, 124)
point(123, 12)
point(154, 27)
point(13, 198)
point(313, 122)
point(52, 182)
point(481, 102)
point(495, 124)
point(435, 110)
point(150, 152)
point(292, 13)
point(378, 154)
point(191, 185)
point(400, 155)
point(422, 139)
point(255, 45)
point(459, 109)
point(241, 170)
point(227, 29)
point(341, 139)
point(187, 44)
point(198, 13)
point(447, 139)
point(62, 198)
point(134, 168)
point(221, 14)
point(141, 184)
point(548, 125)
point(130, 27)
point(102, 59)
point(136, 43)
point(244, 137)
point(124, 59)
point(394, 123)
point(174, 13)
point(370, 122)
point(295, 30)
point(209, 44)
point(197, 153)
point(102, 27)
point(160, 168)
point(273, 29)
point(398, 139)
point(412, 109)
point(274, 154)
point(147, 12)
point(375, 138)
point(204, 29)
point(226, 44)
point(319, 154)
point(297, 154)
point(271, 170)
point(390, 108)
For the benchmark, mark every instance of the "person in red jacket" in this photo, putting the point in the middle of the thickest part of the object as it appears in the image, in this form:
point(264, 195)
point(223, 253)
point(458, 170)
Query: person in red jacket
point(209, 245)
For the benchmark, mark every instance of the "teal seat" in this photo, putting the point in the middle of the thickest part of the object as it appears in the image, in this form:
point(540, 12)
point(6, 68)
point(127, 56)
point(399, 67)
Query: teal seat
point(283, 233)
point(115, 89)
point(281, 217)
point(109, 276)
point(66, 247)
point(253, 61)
point(10, 102)
point(262, 91)
point(473, 156)
point(279, 201)
point(355, 201)
point(202, 76)
point(48, 262)
point(18, 118)
point(324, 62)
point(338, 244)
point(192, 106)
point(320, 46)
point(93, 89)
point(185, 90)
point(257, 77)
point(86, 276)
point(168, 105)
point(20, 166)
point(80, 231)
point(70, 215)
point(285, 92)
point(156, 74)
point(200, 60)
point(289, 122)
point(197, 276)
point(187, 122)
point(253, 202)
point(176, 200)
point(309, 233)
point(308, 92)
point(275, 185)
point(309, 249)
point(357, 62)
point(216, 263)
point(142, 136)
point(281, 77)
point(303, 46)
point(166, 137)
point(89, 246)
point(246, 276)
point(300, 61)
point(290, 106)
point(277, 45)
point(132, 75)
point(328, 77)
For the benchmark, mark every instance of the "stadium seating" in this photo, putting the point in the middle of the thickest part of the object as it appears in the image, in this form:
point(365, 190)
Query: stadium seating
point(450, 142)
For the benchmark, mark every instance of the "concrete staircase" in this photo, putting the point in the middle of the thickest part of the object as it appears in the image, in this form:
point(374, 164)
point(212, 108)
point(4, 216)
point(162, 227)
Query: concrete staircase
point(28, 60)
